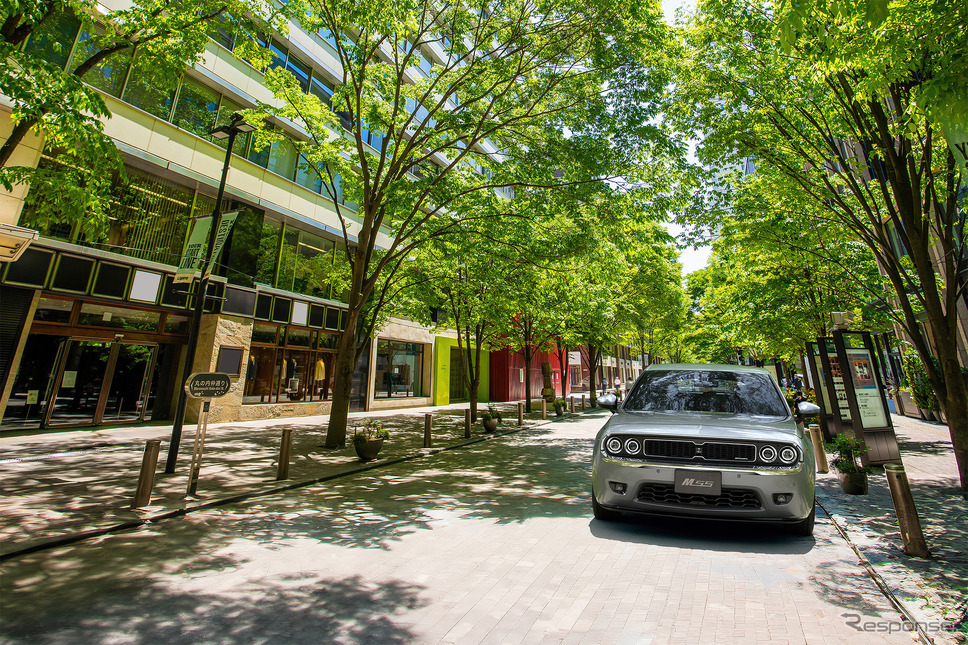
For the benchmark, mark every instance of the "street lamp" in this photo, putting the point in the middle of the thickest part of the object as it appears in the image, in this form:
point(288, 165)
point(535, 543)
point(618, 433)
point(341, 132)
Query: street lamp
point(236, 126)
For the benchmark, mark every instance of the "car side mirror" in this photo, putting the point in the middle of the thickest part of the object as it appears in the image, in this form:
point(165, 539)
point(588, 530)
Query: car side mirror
point(808, 409)
point(608, 401)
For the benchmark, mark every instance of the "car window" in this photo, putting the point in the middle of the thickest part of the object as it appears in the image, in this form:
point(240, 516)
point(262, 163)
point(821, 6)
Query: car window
point(706, 391)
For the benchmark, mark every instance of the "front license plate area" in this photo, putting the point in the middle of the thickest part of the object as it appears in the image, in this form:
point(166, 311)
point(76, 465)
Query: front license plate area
point(701, 482)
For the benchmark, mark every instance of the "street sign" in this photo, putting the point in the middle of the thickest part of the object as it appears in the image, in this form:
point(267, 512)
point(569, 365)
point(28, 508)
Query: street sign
point(207, 385)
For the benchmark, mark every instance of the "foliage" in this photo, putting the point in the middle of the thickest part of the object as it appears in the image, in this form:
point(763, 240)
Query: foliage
point(848, 449)
point(55, 101)
point(917, 378)
point(373, 430)
point(491, 414)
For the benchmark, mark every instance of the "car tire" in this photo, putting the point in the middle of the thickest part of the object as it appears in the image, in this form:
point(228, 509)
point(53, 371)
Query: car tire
point(805, 526)
point(602, 513)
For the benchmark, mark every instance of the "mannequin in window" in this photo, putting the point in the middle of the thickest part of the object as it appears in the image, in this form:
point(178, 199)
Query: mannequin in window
point(319, 376)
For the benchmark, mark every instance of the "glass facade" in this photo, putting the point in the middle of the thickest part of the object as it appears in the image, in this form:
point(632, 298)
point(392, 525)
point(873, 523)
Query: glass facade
point(399, 370)
point(288, 363)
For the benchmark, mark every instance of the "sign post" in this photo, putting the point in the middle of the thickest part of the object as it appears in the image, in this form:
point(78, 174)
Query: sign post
point(205, 386)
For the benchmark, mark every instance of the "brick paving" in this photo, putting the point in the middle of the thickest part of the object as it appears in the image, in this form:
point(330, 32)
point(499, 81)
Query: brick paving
point(492, 542)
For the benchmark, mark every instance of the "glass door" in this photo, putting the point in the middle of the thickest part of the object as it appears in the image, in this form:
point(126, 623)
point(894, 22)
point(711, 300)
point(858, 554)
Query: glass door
point(78, 390)
point(127, 392)
point(33, 384)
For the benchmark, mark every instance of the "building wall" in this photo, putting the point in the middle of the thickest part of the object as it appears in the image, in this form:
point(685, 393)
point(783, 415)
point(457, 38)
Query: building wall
point(507, 375)
point(443, 368)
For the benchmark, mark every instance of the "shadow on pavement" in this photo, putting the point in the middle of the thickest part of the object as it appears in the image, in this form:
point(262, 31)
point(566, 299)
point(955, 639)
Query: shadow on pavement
point(709, 535)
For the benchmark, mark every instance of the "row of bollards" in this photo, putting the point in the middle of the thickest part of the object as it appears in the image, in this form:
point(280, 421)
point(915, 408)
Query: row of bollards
point(897, 483)
point(149, 463)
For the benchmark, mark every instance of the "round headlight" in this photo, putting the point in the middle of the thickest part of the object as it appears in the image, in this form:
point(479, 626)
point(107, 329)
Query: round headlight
point(614, 445)
point(788, 455)
point(768, 454)
point(631, 446)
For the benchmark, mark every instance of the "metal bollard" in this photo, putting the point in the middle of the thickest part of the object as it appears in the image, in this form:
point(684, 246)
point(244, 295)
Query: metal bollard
point(907, 512)
point(520, 413)
point(544, 410)
point(285, 449)
point(467, 423)
point(582, 401)
point(571, 405)
point(146, 480)
point(819, 455)
point(428, 423)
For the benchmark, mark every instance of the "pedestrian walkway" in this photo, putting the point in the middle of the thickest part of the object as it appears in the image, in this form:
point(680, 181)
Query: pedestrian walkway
point(932, 591)
point(60, 485)
point(57, 486)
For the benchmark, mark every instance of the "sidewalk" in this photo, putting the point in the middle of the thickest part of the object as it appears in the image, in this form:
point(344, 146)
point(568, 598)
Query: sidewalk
point(54, 486)
point(934, 590)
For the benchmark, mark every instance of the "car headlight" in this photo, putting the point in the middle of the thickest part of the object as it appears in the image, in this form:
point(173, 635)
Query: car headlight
point(788, 454)
point(768, 454)
point(614, 445)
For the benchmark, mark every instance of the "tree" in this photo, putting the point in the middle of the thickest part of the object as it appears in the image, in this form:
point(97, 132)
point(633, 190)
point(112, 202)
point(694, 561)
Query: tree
point(48, 92)
point(844, 104)
point(444, 111)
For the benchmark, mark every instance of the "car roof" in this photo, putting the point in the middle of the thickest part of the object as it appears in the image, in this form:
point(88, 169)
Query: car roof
point(718, 367)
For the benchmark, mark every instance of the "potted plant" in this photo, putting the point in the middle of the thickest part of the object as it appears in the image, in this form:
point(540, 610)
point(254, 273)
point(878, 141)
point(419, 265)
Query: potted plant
point(490, 419)
point(852, 476)
point(369, 440)
point(559, 407)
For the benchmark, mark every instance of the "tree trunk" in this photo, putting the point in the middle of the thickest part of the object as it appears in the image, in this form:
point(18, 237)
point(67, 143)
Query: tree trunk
point(342, 387)
point(955, 407)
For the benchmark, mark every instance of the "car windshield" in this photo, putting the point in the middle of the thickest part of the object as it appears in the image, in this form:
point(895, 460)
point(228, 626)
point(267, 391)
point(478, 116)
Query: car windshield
point(707, 391)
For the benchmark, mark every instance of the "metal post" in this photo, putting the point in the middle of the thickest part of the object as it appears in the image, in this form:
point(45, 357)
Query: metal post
point(544, 409)
point(907, 512)
point(520, 413)
point(428, 423)
point(467, 423)
point(199, 305)
point(285, 449)
point(146, 480)
point(818, 452)
point(197, 449)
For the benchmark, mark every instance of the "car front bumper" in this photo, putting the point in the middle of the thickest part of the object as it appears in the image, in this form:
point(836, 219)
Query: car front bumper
point(747, 494)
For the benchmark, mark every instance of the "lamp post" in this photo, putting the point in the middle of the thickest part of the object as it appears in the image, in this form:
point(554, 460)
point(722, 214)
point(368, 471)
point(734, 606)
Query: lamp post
point(234, 127)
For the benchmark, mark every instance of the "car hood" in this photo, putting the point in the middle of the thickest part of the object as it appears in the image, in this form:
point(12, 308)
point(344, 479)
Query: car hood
point(701, 426)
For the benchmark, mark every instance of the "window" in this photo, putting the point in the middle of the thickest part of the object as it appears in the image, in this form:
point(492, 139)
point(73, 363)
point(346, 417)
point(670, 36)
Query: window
point(283, 366)
point(707, 391)
point(109, 75)
point(54, 39)
point(398, 369)
point(196, 108)
point(143, 93)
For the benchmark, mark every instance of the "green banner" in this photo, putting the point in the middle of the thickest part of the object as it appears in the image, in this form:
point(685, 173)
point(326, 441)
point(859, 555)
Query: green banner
point(224, 228)
point(193, 250)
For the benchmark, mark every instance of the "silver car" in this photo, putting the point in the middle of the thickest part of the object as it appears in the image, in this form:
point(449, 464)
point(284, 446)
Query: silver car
point(712, 441)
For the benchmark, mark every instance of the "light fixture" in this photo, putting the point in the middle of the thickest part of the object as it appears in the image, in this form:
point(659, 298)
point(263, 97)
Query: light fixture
point(238, 124)
point(14, 240)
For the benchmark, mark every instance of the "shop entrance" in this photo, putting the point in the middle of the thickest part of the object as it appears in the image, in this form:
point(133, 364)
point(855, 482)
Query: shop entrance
point(458, 390)
point(77, 382)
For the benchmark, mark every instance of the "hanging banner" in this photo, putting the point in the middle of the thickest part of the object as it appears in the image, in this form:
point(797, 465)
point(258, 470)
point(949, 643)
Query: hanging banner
point(222, 234)
point(193, 250)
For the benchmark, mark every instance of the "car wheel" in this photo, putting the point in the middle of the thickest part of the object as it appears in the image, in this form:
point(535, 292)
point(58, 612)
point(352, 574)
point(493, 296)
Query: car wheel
point(603, 514)
point(805, 526)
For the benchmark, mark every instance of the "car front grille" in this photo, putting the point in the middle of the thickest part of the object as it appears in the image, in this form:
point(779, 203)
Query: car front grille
point(708, 451)
point(729, 498)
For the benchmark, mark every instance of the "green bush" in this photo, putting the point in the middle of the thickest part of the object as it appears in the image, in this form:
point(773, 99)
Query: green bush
point(917, 378)
point(848, 449)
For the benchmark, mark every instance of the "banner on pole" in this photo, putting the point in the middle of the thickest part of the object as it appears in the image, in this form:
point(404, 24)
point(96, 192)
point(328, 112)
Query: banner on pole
point(222, 234)
point(193, 250)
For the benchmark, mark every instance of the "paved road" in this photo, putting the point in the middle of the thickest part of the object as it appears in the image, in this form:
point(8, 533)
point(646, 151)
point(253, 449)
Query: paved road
point(493, 543)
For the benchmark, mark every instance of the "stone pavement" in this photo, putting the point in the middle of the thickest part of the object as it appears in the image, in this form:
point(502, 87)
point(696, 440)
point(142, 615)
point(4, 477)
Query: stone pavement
point(53, 486)
point(933, 590)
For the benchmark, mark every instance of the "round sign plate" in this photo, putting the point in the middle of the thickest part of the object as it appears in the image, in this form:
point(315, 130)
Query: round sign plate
point(208, 385)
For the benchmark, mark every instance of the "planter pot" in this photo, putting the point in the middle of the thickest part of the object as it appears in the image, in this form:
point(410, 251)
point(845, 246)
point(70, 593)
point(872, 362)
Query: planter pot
point(853, 483)
point(908, 406)
point(368, 450)
point(559, 411)
point(490, 425)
